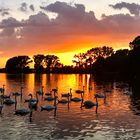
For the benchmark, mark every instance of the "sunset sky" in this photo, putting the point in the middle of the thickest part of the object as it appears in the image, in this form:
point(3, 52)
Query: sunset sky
point(65, 27)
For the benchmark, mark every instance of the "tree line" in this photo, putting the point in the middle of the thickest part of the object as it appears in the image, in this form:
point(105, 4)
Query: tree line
point(51, 63)
point(100, 61)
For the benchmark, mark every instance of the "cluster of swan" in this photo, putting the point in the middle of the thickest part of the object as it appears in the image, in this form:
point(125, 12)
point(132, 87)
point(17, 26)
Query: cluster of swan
point(66, 98)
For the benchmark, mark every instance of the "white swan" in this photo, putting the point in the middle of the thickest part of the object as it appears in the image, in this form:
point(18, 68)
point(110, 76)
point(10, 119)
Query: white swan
point(66, 94)
point(18, 93)
point(80, 91)
point(3, 96)
point(89, 103)
point(33, 102)
point(100, 95)
point(40, 92)
point(76, 99)
point(63, 101)
point(49, 98)
point(22, 111)
point(9, 101)
point(48, 93)
point(50, 107)
point(31, 98)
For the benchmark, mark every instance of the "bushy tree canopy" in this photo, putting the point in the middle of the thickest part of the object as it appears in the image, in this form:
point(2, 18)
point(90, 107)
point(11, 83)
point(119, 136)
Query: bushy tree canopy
point(18, 63)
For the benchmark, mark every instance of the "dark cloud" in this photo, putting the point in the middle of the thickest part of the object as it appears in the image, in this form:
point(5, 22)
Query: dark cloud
point(132, 7)
point(73, 25)
point(4, 11)
point(32, 7)
point(23, 7)
point(10, 23)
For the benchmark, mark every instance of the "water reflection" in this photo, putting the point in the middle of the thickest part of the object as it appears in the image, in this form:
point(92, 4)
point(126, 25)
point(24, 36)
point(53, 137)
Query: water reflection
point(135, 101)
point(117, 118)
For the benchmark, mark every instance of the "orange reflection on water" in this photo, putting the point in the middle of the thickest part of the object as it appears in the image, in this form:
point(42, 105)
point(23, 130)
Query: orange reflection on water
point(30, 83)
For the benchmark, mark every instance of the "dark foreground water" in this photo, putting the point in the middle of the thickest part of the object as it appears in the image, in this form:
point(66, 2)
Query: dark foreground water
point(117, 119)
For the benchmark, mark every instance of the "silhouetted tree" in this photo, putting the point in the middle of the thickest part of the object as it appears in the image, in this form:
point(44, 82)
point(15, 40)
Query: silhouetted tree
point(134, 57)
point(51, 61)
point(104, 52)
point(121, 52)
point(18, 64)
point(39, 62)
point(85, 60)
point(114, 66)
point(79, 60)
point(135, 43)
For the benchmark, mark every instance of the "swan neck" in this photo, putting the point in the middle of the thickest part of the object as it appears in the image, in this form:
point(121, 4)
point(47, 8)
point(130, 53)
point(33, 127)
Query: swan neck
point(96, 100)
point(55, 100)
point(3, 89)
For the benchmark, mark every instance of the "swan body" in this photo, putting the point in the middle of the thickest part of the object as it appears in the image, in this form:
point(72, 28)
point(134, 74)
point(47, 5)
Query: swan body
point(22, 112)
point(32, 103)
point(79, 91)
point(65, 94)
point(16, 94)
point(89, 104)
point(32, 100)
point(49, 98)
point(99, 95)
point(63, 101)
point(76, 99)
point(9, 101)
point(1, 90)
point(48, 94)
point(5, 96)
point(48, 107)
point(40, 92)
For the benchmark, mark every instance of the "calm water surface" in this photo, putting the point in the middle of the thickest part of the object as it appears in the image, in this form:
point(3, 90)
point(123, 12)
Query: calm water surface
point(117, 119)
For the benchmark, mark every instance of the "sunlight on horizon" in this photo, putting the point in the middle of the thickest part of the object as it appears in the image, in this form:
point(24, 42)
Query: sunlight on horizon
point(64, 57)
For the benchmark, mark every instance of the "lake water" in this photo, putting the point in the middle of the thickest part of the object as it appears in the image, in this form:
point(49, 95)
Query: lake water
point(117, 119)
